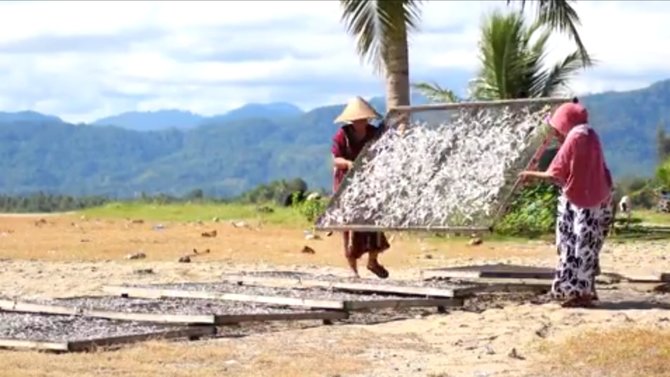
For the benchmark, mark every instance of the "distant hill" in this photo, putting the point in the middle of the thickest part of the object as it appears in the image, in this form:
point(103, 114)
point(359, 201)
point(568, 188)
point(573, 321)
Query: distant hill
point(27, 116)
point(152, 120)
point(258, 110)
point(183, 120)
point(225, 155)
point(628, 123)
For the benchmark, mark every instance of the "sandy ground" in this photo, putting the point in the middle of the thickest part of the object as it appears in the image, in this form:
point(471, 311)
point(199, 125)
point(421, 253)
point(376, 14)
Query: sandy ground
point(68, 255)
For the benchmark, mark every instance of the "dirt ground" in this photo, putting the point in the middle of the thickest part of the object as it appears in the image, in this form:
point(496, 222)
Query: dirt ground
point(58, 256)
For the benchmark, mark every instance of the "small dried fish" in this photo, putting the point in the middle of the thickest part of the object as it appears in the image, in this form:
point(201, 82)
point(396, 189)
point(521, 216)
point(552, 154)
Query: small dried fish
point(454, 174)
point(36, 327)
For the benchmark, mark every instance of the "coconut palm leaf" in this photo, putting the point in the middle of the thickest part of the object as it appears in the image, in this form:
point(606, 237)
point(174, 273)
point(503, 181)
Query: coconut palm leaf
point(562, 17)
point(503, 57)
point(436, 93)
point(376, 24)
point(559, 75)
point(513, 55)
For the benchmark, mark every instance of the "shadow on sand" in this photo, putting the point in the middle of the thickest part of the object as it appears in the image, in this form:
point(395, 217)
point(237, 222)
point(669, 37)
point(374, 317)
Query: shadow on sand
point(631, 305)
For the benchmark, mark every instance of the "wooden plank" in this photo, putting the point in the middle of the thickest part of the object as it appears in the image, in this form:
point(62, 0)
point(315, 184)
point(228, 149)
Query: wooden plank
point(86, 345)
point(375, 228)
point(515, 287)
point(353, 287)
point(216, 295)
point(406, 291)
point(480, 104)
point(487, 285)
point(406, 303)
point(207, 319)
point(638, 277)
point(491, 271)
point(33, 345)
point(645, 278)
point(263, 317)
point(26, 307)
point(334, 304)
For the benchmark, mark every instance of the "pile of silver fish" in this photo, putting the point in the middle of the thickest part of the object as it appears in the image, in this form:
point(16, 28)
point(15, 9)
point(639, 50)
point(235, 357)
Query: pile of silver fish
point(452, 174)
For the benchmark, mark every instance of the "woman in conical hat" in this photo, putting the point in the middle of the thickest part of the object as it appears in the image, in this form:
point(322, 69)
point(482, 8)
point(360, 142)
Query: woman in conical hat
point(585, 205)
point(347, 144)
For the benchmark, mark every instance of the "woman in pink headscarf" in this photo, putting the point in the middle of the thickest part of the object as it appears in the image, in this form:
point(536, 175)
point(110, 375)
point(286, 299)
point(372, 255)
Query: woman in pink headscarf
point(584, 207)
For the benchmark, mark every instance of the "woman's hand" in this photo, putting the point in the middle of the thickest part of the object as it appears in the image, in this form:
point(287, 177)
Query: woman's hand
point(343, 163)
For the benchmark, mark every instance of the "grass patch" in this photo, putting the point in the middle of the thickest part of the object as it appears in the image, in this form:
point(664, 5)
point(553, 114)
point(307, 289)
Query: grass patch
point(618, 352)
point(650, 217)
point(184, 212)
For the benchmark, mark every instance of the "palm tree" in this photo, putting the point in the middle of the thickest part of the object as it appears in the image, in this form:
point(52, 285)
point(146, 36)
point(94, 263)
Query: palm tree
point(512, 55)
point(381, 29)
point(560, 16)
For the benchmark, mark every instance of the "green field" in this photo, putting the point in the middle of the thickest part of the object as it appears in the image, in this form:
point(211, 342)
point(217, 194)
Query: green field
point(649, 217)
point(199, 212)
point(281, 216)
point(645, 225)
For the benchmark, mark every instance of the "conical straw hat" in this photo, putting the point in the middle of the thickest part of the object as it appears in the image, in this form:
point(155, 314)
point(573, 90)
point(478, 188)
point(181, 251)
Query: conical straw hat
point(356, 109)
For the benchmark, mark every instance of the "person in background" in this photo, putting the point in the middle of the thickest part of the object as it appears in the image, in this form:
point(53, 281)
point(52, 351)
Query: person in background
point(348, 143)
point(624, 207)
point(584, 207)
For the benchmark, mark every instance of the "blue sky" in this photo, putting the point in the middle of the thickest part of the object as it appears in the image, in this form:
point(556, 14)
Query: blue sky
point(86, 60)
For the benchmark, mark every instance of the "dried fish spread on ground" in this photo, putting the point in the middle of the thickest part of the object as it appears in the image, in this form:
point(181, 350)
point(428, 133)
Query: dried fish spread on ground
point(299, 275)
point(60, 328)
point(450, 175)
point(311, 293)
point(177, 306)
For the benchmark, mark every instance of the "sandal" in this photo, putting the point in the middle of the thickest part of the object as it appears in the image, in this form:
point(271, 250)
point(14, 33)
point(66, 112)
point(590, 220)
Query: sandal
point(378, 270)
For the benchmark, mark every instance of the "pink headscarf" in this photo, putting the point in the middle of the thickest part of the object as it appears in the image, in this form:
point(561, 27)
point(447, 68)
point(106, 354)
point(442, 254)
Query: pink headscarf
point(579, 166)
point(567, 116)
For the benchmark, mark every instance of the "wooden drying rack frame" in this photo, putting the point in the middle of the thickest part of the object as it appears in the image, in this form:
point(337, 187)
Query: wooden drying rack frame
point(399, 112)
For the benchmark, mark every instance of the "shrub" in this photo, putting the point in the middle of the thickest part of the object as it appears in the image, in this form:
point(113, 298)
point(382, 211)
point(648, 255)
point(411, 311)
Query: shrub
point(310, 209)
point(532, 212)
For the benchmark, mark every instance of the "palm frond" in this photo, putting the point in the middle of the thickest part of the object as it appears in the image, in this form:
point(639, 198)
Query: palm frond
point(378, 23)
point(512, 56)
point(435, 93)
point(558, 77)
point(502, 56)
point(561, 16)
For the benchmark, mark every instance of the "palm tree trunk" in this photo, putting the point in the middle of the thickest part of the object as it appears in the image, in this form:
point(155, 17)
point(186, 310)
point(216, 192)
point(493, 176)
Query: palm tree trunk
point(396, 62)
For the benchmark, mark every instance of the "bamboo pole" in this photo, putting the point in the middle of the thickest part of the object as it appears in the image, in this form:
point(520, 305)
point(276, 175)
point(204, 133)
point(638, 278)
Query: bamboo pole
point(478, 104)
point(376, 228)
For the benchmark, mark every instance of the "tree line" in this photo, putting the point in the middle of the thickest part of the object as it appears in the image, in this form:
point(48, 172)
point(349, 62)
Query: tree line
point(283, 192)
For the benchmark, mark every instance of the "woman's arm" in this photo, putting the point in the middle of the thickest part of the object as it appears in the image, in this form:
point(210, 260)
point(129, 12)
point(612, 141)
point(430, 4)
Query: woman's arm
point(337, 149)
point(559, 169)
point(536, 174)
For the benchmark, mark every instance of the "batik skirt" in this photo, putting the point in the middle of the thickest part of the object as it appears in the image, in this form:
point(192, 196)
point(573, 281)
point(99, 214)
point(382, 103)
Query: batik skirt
point(580, 234)
point(358, 243)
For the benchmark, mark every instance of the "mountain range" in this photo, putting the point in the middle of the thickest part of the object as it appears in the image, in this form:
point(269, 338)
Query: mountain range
point(174, 151)
point(183, 120)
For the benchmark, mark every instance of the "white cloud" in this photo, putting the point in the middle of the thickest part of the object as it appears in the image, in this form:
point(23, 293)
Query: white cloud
point(84, 60)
